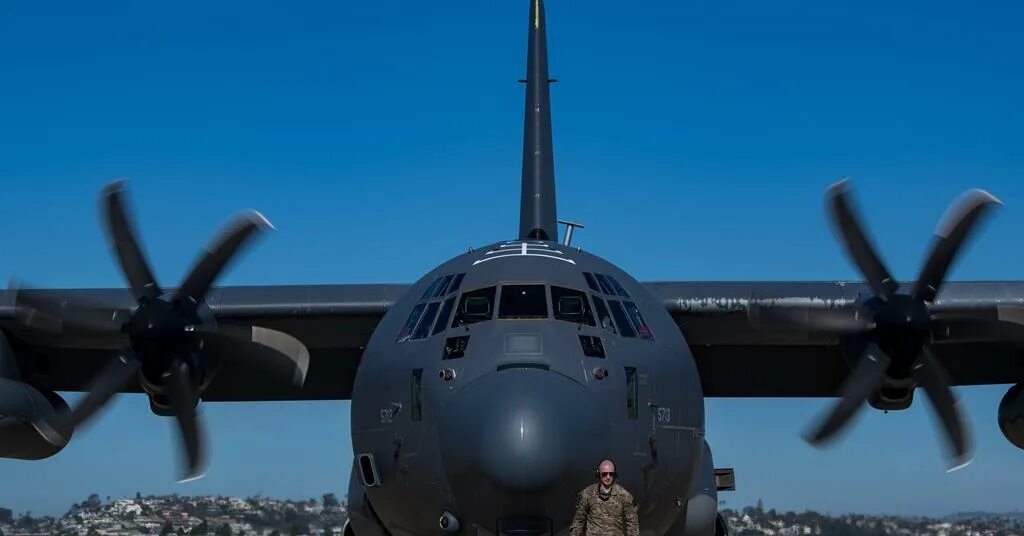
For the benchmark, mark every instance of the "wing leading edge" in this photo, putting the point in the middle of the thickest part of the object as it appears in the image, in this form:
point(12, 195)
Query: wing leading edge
point(333, 321)
point(742, 351)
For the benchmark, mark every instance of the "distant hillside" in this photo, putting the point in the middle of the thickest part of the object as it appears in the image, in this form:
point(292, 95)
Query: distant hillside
point(961, 516)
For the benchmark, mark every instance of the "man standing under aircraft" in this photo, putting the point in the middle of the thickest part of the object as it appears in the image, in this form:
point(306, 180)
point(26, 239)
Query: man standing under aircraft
point(605, 508)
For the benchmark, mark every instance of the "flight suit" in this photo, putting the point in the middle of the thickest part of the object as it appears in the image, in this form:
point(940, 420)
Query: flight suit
point(614, 515)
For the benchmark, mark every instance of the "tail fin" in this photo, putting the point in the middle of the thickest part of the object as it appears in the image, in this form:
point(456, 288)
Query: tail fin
point(537, 212)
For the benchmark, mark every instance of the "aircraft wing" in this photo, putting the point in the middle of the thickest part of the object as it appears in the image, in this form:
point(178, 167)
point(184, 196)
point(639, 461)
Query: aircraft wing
point(333, 321)
point(741, 352)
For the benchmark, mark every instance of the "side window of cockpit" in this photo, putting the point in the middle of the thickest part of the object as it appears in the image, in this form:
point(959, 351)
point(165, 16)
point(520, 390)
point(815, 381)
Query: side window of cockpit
point(625, 328)
point(638, 320)
point(603, 318)
point(428, 320)
point(455, 283)
point(474, 306)
point(591, 282)
point(619, 289)
point(442, 288)
point(430, 289)
point(523, 301)
point(606, 287)
point(446, 313)
point(410, 322)
point(571, 305)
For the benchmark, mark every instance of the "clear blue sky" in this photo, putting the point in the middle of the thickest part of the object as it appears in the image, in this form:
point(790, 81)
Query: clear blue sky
point(694, 139)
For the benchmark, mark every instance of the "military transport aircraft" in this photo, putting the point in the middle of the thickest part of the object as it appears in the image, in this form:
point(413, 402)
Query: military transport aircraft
point(472, 387)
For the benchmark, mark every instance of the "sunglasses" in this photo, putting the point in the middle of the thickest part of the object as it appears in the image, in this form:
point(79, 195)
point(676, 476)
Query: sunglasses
point(607, 474)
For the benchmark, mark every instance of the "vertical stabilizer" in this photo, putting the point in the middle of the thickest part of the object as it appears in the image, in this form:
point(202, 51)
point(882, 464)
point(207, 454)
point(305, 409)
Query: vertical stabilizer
point(537, 218)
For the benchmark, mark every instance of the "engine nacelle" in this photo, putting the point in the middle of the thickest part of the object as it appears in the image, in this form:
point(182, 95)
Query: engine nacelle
point(700, 515)
point(28, 429)
point(1011, 415)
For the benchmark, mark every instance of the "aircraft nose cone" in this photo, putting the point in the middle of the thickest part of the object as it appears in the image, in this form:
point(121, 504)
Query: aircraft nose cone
point(523, 429)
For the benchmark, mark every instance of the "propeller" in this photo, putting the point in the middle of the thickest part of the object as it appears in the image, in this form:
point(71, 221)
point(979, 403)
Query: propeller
point(892, 330)
point(172, 343)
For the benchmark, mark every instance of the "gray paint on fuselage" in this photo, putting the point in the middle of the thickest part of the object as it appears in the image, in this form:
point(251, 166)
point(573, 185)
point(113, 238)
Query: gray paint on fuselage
point(447, 460)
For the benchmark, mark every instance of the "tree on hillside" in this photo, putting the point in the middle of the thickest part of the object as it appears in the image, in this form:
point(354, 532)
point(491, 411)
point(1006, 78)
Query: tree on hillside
point(26, 521)
point(167, 529)
point(93, 501)
point(330, 500)
point(223, 530)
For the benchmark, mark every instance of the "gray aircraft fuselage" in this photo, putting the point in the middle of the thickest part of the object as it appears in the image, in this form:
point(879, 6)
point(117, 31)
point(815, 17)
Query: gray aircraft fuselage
point(516, 426)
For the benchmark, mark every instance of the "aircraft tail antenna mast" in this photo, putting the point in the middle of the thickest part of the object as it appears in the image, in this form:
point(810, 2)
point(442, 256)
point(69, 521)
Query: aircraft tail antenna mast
point(537, 214)
point(569, 227)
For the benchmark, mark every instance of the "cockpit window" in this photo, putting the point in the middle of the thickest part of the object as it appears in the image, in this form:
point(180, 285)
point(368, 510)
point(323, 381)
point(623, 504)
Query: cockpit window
point(410, 322)
point(638, 320)
point(475, 306)
point(456, 282)
point(446, 312)
point(603, 318)
point(606, 287)
point(443, 287)
point(625, 329)
point(571, 305)
point(591, 282)
point(430, 290)
point(428, 320)
point(523, 301)
point(619, 289)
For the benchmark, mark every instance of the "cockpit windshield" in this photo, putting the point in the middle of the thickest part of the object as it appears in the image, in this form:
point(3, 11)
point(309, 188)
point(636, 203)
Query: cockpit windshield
point(571, 305)
point(475, 306)
point(523, 301)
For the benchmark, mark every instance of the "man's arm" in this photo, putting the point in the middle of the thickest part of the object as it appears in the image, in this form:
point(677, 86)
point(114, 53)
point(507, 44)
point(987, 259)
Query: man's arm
point(579, 519)
point(632, 521)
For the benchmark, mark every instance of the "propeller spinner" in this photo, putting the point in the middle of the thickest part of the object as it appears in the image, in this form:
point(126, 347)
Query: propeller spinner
point(172, 341)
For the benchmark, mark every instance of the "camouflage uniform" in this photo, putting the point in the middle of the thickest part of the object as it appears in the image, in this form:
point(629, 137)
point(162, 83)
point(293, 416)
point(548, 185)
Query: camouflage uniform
point(599, 516)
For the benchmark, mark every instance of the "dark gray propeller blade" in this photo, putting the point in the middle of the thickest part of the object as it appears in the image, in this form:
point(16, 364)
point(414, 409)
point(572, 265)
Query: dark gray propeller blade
point(48, 311)
point(109, 382)
point(181, 392)
point(960, 219)
point(858, 247)
point(932, 378)
point(863, 380)
point(159, 328)
point(122, 236)
point(195, 286)
point(274, 351)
